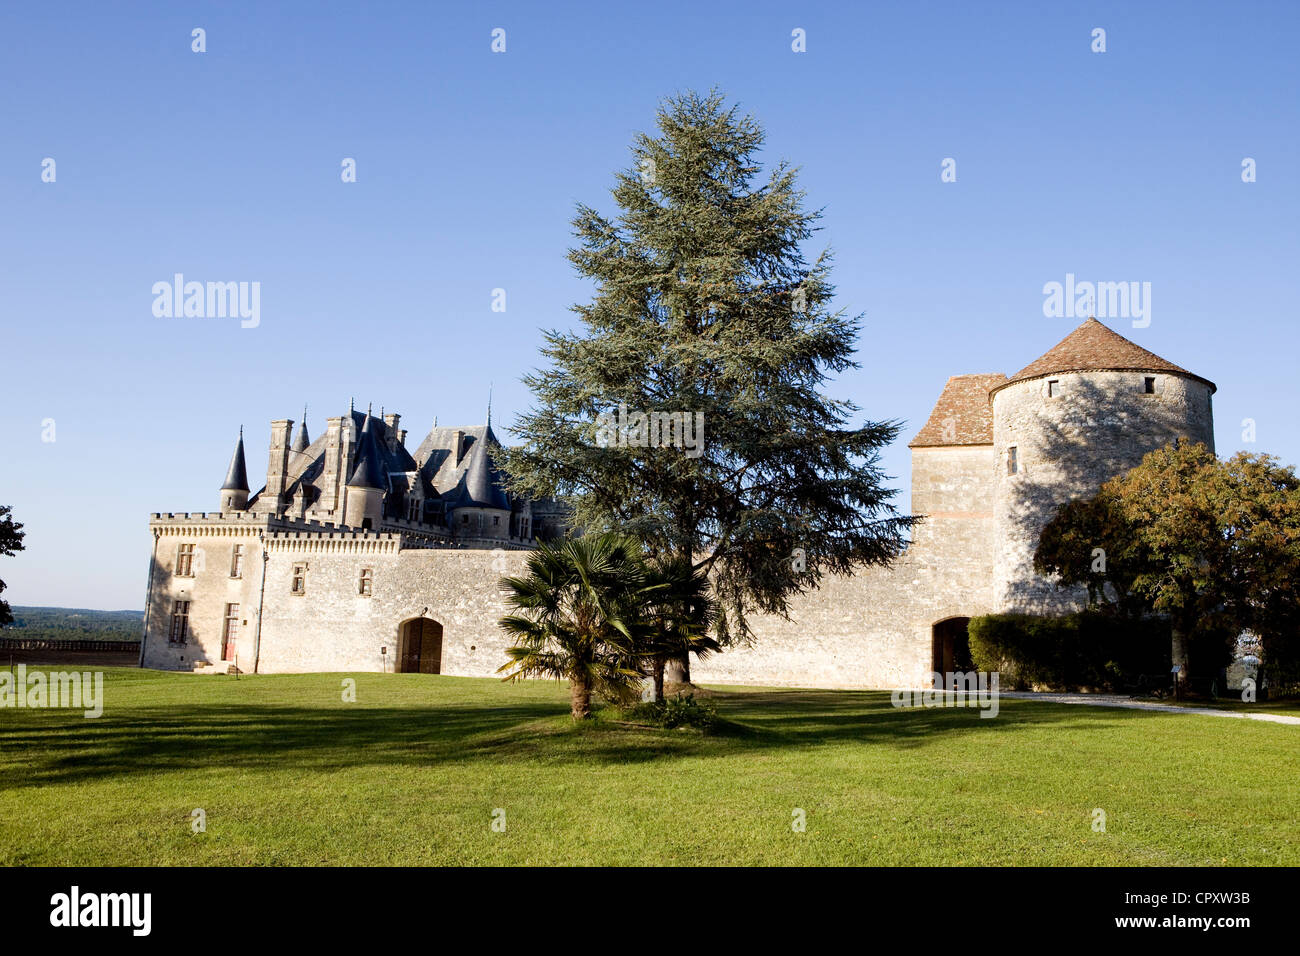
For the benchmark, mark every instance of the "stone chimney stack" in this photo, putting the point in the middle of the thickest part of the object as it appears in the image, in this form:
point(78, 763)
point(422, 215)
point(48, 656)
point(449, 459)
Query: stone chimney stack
point(391, 433)
point(332, 477)
point(277, 463)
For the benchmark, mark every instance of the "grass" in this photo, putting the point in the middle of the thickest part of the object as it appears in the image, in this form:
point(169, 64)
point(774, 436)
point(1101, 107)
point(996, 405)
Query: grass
point(411, 774)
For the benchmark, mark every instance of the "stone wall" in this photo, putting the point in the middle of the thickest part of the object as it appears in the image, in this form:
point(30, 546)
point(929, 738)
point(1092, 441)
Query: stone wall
point(208, 590)
point(333, 627)
point(874, 628)
point(1096, 425)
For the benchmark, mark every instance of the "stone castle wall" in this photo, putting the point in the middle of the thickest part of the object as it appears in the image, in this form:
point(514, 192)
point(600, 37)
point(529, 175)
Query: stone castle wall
point(1095, 426)
point(971, 555)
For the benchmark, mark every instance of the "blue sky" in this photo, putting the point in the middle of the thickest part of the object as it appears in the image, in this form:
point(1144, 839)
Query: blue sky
point(225, 165)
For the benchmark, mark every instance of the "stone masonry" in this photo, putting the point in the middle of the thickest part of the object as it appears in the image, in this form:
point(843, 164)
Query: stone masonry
point(360, 556)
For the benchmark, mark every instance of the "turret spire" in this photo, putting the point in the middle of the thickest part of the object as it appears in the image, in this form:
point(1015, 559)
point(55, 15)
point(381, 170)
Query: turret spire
point(301, 442)
point(237, 473)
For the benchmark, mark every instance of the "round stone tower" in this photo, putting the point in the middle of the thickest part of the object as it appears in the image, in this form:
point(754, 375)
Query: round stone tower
point(1087, 410)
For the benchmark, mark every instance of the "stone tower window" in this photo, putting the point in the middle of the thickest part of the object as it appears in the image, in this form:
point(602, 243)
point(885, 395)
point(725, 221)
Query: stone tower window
point(366, 586)
point(180, 622)
point(185, 561)
point(237, 561)
point(1053, 387)
point(1149, 385)
point(1013, 464)
point(299, 585)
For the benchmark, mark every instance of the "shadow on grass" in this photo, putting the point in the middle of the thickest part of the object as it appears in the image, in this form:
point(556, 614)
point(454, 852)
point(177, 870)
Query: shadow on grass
point(62, 747)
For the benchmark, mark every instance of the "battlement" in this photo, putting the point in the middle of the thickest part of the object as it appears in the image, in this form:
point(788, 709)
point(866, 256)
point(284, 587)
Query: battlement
point(354, 542)
point(246, 517)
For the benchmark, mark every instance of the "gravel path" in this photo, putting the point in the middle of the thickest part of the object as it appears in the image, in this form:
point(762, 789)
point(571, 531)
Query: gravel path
point(1113, 700)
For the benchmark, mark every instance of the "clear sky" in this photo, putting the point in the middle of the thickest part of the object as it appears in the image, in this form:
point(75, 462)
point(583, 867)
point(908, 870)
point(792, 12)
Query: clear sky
point(225, 166)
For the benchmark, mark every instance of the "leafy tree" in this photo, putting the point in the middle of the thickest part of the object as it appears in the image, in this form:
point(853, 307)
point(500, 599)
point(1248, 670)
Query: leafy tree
point(11, 542)
point(1088, 544)
point(581, 608)
point(1214, 545)
point(705, 305)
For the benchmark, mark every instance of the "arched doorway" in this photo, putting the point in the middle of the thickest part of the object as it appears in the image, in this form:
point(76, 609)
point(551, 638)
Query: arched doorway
point(420, 648)
point(950, 646)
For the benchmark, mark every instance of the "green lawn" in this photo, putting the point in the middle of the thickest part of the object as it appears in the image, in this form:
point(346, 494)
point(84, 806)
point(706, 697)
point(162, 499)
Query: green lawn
point(411, 774)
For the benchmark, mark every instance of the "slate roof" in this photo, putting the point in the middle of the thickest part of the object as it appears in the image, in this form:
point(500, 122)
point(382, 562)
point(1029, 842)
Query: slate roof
point(963, 415)
point(474, 481)
point(1093, 347)
point(237, 473)
point(301, 442)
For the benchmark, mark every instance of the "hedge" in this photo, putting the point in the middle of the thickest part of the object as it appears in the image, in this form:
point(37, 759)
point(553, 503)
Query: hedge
point(1087, 650)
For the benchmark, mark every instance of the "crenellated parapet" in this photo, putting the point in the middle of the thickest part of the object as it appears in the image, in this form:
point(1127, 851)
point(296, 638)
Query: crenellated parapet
point(334, 542)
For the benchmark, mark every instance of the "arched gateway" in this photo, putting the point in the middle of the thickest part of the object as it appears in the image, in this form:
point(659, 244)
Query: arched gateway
point(950, 647)
point(419, 648)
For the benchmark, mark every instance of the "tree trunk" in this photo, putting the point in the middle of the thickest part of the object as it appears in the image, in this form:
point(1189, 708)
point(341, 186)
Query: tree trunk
point(658, 678)
point(679, 669)
point(579, 697)
point(1180, 657)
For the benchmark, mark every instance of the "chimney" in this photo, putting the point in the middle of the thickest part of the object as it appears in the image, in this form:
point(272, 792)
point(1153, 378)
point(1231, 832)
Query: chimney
point(277, 464)
point(330, 481)
point(391, 434)
point(457, 445)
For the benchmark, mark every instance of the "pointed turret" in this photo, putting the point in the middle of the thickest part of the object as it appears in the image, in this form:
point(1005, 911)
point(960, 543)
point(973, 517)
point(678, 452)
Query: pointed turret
point(365, 492)
point(234, 492)
point(301, 442)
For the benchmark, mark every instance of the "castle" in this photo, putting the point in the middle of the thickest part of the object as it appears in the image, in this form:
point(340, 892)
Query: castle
point(360, 556)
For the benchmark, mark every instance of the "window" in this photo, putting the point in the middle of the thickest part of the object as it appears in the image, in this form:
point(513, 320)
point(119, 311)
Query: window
point(237, 561)
point(496, 520)
point(185, 561)
point(229, 632)
point(365, 587)
point(1013, 465)
point(180, 622)
point(1053, 387)
point(464, 519)
point(1149, 385)
point(299, 585)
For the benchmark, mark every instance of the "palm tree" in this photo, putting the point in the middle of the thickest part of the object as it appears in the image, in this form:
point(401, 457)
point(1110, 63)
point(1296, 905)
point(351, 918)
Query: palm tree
point(681, 609)
point(580, 616)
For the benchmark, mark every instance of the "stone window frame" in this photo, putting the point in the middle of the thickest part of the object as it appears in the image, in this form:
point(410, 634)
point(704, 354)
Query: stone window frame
point(1053, 388)
point(185, 559)
point(236, 560)
point(229, 626)
point(180, 629)
point(298, 579)
point(1013, 460)
point(1150, 385)
point(366, 583)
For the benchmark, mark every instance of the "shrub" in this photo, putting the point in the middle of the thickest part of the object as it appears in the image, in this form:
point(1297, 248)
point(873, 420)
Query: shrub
point(1088, 649)
point(683, 711)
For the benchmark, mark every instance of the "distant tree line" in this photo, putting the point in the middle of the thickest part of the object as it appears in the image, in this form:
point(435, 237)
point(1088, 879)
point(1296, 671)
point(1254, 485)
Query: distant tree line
point(74, 624)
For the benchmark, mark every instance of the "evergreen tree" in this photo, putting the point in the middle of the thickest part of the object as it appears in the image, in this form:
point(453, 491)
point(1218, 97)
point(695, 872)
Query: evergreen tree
point(705, 305)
